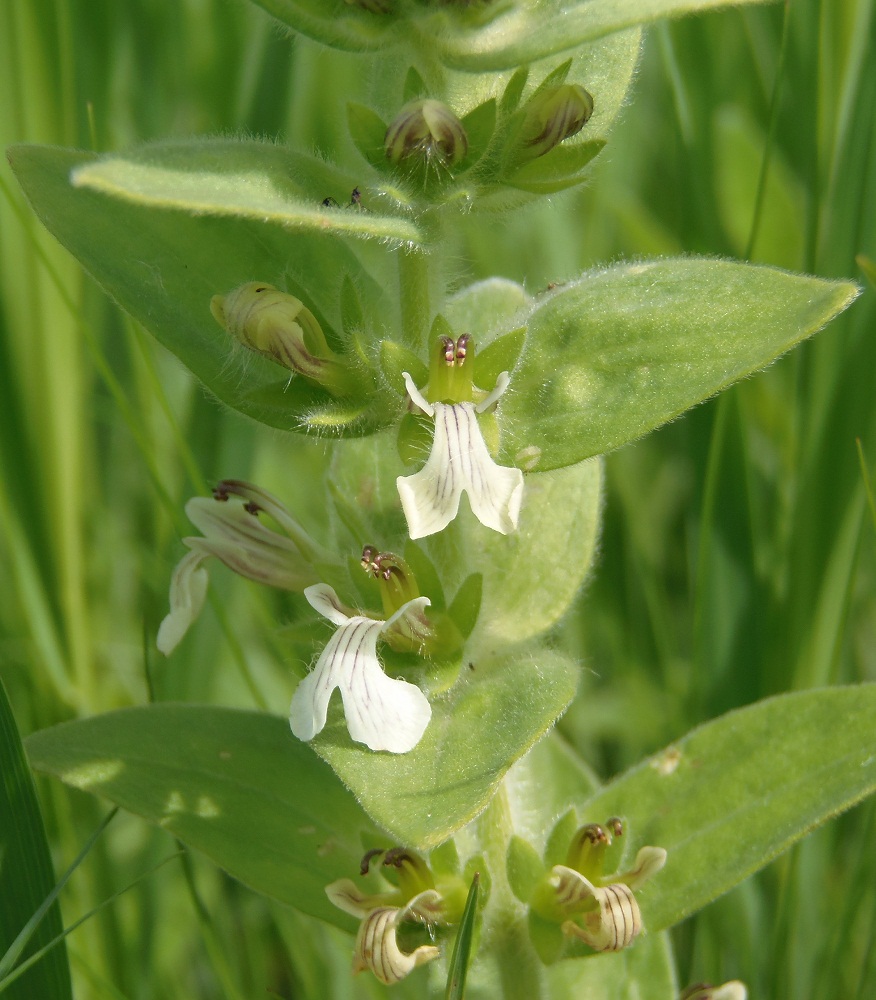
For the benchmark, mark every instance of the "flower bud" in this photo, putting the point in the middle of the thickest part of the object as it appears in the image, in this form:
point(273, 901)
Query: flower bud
point(427, 131)
point(554, 114)
point(282, 328)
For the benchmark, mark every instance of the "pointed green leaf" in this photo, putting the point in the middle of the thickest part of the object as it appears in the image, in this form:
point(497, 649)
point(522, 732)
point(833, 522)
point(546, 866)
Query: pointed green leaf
point(524, 32)
point(736, 792)
point(622, 350)
point(496, 711)
point(458, 968)
point(26, 876)
point(245, 180)
point(236, 786)
point(164, 266)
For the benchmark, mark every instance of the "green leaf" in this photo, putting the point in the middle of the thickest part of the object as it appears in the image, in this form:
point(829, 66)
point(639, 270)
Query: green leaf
point(458, 967)
point(737, 792)
point(235, 785)
point(487, 721)
point(524, 32)
point(532, 575)
point(622, 350)
point(486, 307)
point(164, 266)
point(245, 180)
point(26, 876)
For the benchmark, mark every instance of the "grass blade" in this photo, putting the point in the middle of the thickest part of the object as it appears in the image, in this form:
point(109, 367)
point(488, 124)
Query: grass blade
point(26, 876)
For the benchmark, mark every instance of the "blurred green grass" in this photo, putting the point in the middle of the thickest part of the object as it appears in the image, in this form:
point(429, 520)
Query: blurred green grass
point(738, 557)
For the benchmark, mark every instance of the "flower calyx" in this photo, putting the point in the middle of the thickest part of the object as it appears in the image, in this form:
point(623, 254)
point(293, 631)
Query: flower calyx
point(600, 910)
point(459, 461)
point(280, 327)
point(382, 712)
point(234, 533)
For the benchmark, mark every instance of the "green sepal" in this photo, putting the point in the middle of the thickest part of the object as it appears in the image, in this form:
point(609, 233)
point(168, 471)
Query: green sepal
point(479, 125)
point(547, 938)
point(524, 867)
point(563, 167)
point(415, 86)
point(466, 605)
point(368, 131)
point(444, 859)
point(514, 91)
point(557, 847)
point(352, 314)
point(395, 359)
point(500, 355)
point(426, 575)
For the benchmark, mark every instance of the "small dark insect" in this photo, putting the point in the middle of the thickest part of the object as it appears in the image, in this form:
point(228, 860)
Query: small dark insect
point(330, 203)
point(356, 197)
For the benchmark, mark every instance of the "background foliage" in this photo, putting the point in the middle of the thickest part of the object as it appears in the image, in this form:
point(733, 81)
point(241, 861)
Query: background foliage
point(737, 557)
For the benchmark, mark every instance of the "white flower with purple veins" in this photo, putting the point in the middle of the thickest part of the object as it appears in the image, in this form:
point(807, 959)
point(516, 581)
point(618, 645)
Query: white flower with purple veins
point(459, 463)
point(382, 712)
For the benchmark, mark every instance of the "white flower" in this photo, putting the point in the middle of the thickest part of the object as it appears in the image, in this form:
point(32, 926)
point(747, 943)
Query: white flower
point(618, 920)
point(376, 945)
point(459, 461)
point(382, 713)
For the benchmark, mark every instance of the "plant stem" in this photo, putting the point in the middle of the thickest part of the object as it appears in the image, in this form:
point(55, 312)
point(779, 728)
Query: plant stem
point(414, 282)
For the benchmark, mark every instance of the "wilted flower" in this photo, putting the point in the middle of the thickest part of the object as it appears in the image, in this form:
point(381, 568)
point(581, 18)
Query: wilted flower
point(234, 534)
point(427, 131)
point(282, 328)
point(459, 462)
point(382, 712)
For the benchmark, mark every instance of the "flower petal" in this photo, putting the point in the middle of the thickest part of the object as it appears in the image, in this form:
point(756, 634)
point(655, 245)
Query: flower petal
point(649, 860)
point(242, 542)
point(382, 713)
point(459, 461)
point(618, 920)
point(188, 590)
point(377, 947)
